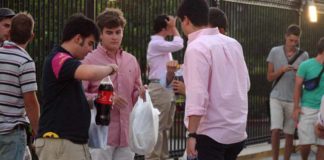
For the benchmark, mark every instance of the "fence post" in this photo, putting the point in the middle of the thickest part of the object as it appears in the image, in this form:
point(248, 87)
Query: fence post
point(89, 8)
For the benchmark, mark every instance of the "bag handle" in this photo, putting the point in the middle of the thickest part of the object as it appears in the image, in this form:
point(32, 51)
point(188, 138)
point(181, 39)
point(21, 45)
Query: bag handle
point(290, 62)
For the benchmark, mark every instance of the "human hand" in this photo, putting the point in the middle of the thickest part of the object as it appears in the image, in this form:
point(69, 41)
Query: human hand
point(319, 130)
point(119, 101)
point(191, 148)
point(178, 87)
point(172, 66)
point(287, 68)
point(114, 68)
point(296, 113)
point(142, 91)
point(171, 23)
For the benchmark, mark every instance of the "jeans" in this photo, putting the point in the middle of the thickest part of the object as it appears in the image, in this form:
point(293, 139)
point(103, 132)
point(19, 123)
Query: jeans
point(13, 144)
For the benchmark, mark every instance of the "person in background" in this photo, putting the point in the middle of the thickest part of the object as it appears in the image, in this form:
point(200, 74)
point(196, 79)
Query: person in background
point(65, 117)
point(158, 54)
point(307, 103)
point(18, 101)
point(281, 96)
point(127, 84)
point(5, 22)
point(216, 18)
point(217, 84)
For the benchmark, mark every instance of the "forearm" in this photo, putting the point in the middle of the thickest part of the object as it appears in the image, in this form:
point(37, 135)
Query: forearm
point(93, 72)
point(169, 77)
point(194, 121)
point(275, 75)
point(32, 109)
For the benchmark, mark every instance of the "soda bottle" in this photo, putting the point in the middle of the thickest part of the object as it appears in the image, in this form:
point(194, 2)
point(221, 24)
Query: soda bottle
point(179, 98)
point(103, 102)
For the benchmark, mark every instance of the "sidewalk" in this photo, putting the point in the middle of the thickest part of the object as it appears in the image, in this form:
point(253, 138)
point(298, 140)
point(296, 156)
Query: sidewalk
point(263, 152)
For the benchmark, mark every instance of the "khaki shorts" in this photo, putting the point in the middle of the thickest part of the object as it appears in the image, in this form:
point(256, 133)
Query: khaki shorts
point(306, 127)
point(281, 115)
point(63, 149)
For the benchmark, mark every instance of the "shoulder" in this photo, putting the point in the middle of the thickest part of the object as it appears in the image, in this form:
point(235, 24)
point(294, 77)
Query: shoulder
point(129, 56)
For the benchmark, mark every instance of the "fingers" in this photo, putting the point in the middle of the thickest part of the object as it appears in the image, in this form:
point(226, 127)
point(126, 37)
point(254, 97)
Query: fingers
point(119, 101)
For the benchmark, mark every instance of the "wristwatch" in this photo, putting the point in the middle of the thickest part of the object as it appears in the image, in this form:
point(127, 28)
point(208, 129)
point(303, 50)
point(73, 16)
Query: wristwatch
point(192, 135)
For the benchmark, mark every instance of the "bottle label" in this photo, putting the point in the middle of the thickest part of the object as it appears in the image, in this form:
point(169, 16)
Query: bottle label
point(105, 97)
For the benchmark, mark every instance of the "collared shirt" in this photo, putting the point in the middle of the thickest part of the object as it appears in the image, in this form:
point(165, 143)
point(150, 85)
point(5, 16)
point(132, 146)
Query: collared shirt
point(217, 84)
point(159, 53)
point(17, 76)
point(65, 110)
point(126, 82)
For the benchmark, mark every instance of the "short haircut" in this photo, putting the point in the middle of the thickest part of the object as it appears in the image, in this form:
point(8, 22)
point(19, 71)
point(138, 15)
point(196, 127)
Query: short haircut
point(293, 29)
point(320, 46)
point(79, 24)
point(6, 13)
point(160, 23)
point(217, 18)
point(111, 18)
point(195, 10)
point(22, 26)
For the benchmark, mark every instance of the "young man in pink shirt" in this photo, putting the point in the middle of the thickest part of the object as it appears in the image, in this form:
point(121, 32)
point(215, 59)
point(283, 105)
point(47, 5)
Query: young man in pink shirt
point(127, 83)
point(217, 84)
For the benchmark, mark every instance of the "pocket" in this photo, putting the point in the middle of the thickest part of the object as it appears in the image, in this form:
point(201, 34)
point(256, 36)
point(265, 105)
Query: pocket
point(39, 143)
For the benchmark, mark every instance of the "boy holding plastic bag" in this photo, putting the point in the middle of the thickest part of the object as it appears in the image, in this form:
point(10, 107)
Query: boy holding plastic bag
point(126, 85)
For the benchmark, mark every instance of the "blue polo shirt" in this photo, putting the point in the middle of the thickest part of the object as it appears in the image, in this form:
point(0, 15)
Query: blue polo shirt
point(65, 110)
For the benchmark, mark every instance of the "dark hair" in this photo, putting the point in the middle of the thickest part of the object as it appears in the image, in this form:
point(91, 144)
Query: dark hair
point(111, 18)
point(79, 24)
point(160, 23)
point(195, 10)
point(320, 46)
point(22, 26)
point(217, 18)
point(6, 13)
point(293, 29)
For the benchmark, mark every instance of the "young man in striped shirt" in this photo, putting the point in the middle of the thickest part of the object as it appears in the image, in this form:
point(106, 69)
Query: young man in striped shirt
point(18, 88)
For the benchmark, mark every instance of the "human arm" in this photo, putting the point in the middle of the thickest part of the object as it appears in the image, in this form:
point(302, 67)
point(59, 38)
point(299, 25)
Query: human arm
point(273, 75)
point(32, 109)
point(191, 141)
point(297, 96)
point(94, 72)
point(171, 68)
point(179, 87)
point(319, 130)
point(171, 26)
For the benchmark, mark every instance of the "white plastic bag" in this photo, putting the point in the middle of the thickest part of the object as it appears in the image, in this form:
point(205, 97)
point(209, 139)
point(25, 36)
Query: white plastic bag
point(98, 134)
point(143, 126)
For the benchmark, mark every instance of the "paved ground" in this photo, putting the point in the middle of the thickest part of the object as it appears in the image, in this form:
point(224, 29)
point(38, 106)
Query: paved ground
point(294, 156)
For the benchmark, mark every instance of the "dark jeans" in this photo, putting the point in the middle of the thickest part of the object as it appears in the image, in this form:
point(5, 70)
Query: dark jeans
point(209, 149)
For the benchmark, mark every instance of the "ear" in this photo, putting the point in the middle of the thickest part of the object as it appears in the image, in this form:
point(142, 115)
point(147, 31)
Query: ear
point(32, 36)
point(186, 20)
point(77, 38)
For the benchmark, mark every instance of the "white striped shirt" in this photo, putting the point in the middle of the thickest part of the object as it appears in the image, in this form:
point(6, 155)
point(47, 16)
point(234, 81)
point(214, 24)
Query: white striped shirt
point(17, 76)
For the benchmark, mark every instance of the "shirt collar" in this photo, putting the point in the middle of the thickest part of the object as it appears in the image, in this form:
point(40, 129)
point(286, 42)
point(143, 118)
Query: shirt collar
point(103, 50)
point(206, 31)
point(10, 44)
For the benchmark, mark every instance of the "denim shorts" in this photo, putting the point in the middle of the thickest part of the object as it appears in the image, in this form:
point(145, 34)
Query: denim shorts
point(13, 144)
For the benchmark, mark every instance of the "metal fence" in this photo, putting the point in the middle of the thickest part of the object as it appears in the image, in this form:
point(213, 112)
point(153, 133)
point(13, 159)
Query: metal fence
point(257, 24)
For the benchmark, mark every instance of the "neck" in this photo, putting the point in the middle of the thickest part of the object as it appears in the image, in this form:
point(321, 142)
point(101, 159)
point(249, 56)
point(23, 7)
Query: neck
point(23, 45)
point(67, 46)
point(161, 34)
point(112, 52)
point(320, 58)
point(196, 28)
point(290, 49)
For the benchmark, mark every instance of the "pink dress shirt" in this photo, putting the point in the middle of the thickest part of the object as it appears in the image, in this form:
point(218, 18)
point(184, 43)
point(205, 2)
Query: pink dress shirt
point(217, 84)
point(126, 82)
point(159, 53)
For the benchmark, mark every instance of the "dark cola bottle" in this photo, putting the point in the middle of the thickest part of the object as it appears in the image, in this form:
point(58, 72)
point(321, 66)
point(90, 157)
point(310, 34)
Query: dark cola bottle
point(103, 102)
point(179, 98)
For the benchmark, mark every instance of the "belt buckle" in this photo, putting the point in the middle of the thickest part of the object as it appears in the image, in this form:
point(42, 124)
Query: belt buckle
point(50, 135)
